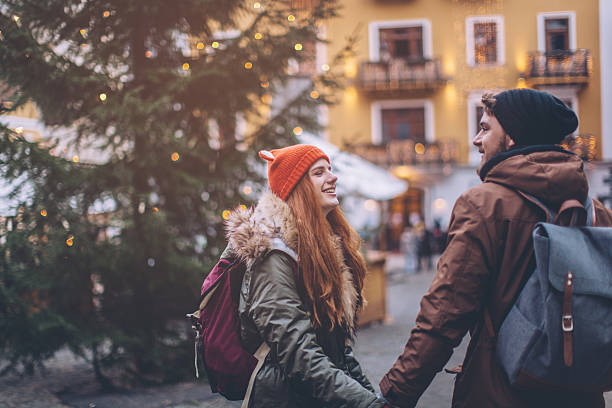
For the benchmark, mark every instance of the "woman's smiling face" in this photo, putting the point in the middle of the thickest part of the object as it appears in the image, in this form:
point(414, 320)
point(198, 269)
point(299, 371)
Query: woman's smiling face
point(324, 182)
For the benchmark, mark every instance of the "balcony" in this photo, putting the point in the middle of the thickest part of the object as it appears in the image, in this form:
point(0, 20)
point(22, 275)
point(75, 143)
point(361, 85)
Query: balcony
point(407, 153)
point(559, 68)
point(400, 76)
point(584, 145)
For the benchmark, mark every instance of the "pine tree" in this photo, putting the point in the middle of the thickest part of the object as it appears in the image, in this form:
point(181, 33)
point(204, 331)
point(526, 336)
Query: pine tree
point(106, 255)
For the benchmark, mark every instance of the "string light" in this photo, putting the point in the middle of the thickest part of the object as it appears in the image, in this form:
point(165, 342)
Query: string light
point(148, 54)
point(298, 47)
point(83, 32)
point(19, 130)
point(200, 45)
point(257, 5)
point(102, 96)
point(215, 44)
point(43, 213)
point(75, 158)
point(291, 17)
point(70, 240)
point(175, 156)
point(243, 207)
point(314, 94)
point(16, 18)
point(185, 67)
point(106, 14)
point(248, 65)
point(247, 190)
point(265, 84)
point(325, 67)
point(258, 36)
point(155, 209)
point(297, 130)
point(225, 214)
point(419, 148)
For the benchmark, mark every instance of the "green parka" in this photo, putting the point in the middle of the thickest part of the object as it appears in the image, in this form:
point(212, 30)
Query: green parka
point(305, 367)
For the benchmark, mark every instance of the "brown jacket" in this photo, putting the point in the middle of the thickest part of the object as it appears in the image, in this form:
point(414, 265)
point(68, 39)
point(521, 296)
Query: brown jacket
point(488, 258)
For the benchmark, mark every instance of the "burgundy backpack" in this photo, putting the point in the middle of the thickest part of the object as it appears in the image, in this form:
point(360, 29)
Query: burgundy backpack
point(217, 343)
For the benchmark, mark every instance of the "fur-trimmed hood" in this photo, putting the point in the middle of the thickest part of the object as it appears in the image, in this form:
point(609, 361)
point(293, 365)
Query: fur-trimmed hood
point(251, 234)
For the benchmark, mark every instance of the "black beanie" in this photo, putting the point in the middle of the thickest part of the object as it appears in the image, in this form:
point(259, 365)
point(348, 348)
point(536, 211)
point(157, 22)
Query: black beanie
point(533, 117)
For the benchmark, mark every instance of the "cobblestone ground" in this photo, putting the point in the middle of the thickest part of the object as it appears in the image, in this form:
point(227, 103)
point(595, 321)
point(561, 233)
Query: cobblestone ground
point(70, 383)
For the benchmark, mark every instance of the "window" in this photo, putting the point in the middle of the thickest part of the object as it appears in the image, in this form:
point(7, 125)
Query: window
point(403, 42)
point(406, 39)
point(402, 120)
point(485, 41)
point(403, 124)
point(557, 34)
point(556, 31)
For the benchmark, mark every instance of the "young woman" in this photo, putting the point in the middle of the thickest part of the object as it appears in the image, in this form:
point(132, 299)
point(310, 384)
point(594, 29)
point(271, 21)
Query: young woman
point(302, 288)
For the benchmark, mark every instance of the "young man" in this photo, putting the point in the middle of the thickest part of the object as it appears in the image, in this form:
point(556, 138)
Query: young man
point(490, 254)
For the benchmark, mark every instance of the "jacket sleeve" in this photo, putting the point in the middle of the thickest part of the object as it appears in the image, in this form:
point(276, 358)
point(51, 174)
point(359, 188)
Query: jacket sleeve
point(284, 323)
point(449, 308)
point(354, 368)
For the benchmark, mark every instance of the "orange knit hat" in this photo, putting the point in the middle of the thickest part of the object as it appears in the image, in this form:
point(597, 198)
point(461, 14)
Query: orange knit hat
point(286, 166)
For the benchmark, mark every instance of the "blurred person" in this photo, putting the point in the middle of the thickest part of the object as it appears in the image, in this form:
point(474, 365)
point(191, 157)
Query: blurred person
point(302, 288)
point(424, 247)
point(489, 254)
point(408, 243)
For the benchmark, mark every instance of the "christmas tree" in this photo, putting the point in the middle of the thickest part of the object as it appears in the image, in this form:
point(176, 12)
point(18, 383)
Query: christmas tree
point(157, 110)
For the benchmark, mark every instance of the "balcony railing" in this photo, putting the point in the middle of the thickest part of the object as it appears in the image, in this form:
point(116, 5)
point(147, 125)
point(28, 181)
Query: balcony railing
point(559, 67)
point(408, 152)
point(584, 145)
point(400, 75)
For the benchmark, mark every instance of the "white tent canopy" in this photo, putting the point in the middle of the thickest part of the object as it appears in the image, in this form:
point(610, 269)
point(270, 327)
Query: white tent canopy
point(357, 176)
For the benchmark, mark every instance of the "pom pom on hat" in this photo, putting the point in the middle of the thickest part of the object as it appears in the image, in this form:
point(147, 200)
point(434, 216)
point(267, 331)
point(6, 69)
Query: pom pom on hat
point(286, 166)
point(533, 117)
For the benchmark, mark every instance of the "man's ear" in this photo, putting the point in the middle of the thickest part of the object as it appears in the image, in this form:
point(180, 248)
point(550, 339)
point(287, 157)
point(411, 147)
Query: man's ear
point(509, 142)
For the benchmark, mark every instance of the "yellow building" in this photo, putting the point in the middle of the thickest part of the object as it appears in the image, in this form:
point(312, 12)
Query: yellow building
point(420, 67)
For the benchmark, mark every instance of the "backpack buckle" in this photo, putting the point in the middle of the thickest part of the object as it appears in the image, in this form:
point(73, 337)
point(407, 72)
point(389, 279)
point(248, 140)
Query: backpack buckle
point(567, 323)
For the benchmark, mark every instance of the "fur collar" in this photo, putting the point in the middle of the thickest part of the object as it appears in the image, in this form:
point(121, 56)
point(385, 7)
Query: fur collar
point(250, 234)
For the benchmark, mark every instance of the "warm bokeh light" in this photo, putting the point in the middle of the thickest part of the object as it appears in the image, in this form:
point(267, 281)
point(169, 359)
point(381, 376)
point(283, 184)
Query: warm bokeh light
point(265, 84)
point(215, 44)
point(200, 45)
point(439, 204)
point(70, 240)
point(106, 14)
point(257, 5)
point(314, 95)
point(75, 159)
point(186, 67)
point(258, 36)
point(350, 68)
point(419, 148)
point(102, 96)
point(298, 47)
point(267, 98)
point(43, 213)
point(243, 207)
point(248, 65)
point(225, 214)
point(19, 130)
point(325, 67)
point(83, 32)
point(297, 130)
point(175, 156)
point(247, 190)
point(291, 17)
point(155, 209)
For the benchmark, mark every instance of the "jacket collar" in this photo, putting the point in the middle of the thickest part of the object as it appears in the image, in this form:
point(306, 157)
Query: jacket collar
point(500, 157)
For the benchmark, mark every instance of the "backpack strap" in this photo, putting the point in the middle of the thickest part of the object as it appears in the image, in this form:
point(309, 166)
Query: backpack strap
point(260, 355)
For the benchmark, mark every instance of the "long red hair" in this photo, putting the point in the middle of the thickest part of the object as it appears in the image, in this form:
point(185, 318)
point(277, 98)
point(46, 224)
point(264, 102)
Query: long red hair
point(319, 273)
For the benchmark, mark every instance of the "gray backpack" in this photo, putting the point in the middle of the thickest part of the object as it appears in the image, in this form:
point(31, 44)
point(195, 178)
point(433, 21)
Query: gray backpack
point(558, 334)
